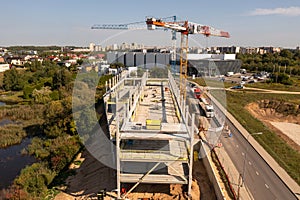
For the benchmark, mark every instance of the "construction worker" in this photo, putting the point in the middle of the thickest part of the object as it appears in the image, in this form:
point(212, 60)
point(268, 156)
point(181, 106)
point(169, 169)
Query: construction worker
point(229, 133)
point(123, 190)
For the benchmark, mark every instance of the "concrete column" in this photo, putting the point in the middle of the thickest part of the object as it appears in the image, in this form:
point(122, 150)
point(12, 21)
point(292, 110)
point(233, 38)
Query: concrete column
point(191, 157)
point(127, 109)
point(186, 115)
point(183, 106)
point(109, 84)
point(106, 85)
point(118, 151)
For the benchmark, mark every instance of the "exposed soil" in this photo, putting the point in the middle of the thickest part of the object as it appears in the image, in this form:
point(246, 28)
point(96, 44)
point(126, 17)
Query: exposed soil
point(277, 112)
point(92, 176)
point(201, 177)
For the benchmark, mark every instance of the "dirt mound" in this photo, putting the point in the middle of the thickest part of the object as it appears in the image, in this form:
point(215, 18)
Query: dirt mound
point(269, 111)
point(274, 111)
point(285, 109)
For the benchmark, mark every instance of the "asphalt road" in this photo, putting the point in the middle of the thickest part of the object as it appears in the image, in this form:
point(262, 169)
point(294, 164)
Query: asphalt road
point(260, 179)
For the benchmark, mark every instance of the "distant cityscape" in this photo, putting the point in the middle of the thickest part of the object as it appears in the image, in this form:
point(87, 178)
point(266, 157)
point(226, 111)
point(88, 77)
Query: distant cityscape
point(221, 49)
point(130, 54)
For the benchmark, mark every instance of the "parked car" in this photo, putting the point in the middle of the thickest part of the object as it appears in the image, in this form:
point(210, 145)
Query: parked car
point(252, 81)
point(237, 87)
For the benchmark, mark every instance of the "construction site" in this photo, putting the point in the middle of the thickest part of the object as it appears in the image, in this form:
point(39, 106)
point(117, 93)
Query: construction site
point(151, 129)
point(168, 139)
point(150, 122)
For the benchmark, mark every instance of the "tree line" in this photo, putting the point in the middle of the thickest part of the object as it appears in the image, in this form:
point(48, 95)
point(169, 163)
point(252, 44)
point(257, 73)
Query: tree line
point(287, 61)
point(50, 87)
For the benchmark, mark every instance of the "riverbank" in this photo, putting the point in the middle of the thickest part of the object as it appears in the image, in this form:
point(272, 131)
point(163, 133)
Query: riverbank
point(11, 98)
point(19, 121)
point(12, 161)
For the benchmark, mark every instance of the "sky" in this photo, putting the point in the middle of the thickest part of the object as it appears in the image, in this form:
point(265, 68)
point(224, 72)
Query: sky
point(68, 22)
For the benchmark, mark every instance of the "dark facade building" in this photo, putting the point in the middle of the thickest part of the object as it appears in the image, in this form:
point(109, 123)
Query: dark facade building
point(198, 64)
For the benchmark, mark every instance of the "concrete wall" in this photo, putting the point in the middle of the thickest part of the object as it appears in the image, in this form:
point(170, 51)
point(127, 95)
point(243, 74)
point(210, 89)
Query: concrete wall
point(205, 154)
point(150, 59)
point(162, 58)
point(129, 59)
point(140, 59)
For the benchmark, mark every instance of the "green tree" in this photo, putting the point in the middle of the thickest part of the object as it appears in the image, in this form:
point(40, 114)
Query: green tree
point(35, 66)
point(116, 65)
point(79, 61)
point(27, 92)
point(282, 78)
point(286, 53)
point(42, 96)
point(61, 78)
point(12, 80)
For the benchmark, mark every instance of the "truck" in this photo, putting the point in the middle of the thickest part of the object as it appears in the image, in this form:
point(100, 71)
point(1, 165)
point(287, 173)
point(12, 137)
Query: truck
point(229, 74)
point(197, 93)
point(207, 108)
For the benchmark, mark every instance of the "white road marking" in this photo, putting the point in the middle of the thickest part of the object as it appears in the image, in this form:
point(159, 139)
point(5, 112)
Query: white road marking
point(267, 186)
point(243, 153)
point(250, 163)
point(237, 146)
point(257, 173)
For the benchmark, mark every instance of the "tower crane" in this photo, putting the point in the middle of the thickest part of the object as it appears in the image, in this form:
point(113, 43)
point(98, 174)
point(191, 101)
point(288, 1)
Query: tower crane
point(185, 28)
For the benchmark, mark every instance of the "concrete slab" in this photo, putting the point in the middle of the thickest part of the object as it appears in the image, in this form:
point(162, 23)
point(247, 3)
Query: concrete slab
point(152, 178)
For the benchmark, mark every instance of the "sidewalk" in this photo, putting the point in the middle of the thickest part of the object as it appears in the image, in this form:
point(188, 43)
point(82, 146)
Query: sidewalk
point(283, 175)
point(212, 170)
point(232, 173)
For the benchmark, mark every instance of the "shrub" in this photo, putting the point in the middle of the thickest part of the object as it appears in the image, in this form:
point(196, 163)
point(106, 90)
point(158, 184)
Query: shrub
point(34, 179)
point(27, 92)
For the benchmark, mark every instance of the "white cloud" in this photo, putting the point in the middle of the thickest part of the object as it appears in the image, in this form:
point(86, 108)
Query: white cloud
point(291, 11)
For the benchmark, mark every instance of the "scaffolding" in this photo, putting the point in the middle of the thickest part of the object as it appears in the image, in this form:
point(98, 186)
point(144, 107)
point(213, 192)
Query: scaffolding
point(153, 130)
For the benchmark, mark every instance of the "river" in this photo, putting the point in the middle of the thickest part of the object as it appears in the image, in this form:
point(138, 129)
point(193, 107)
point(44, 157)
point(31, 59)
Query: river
point(11, 160)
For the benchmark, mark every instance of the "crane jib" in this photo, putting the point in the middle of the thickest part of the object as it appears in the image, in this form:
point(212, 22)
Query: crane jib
point(186, 27)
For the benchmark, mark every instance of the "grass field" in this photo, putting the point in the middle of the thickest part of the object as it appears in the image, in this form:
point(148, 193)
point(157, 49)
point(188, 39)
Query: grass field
point(212, 82)
point(12, 97)
point(277, 86)
point(287, 157)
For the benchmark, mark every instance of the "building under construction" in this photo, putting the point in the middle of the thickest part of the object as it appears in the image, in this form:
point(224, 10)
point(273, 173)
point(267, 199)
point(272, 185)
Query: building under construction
point(152, 129)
